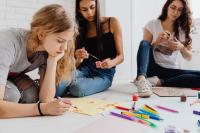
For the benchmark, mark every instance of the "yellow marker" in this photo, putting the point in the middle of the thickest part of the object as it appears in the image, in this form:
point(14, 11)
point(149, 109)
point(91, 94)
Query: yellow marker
point(149, 110)
point(135, 114)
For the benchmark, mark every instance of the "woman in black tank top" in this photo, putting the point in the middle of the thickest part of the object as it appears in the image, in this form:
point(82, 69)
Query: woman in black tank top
point(98, 49)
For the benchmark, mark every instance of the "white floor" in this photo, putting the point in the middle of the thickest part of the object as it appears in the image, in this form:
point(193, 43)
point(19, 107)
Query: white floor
point(70, 122)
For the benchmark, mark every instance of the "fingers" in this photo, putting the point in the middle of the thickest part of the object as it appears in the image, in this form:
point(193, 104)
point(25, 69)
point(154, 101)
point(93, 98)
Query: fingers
point(63, 107)
point(105, 63)
point(65, 102)
point(167, 34)
point(164, 36)
point(81, 53)
point(176, 39)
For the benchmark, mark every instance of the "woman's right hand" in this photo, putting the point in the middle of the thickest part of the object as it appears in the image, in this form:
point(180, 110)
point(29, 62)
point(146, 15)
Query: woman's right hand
point(55, 107)
point(81, 54)
point(163, 37)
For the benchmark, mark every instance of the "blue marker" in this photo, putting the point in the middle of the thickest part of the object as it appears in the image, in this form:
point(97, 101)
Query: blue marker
point(198, 123)
point(151, 115)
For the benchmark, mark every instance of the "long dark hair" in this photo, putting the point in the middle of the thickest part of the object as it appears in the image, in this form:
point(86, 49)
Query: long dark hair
point(184, 21)
point(83, 27)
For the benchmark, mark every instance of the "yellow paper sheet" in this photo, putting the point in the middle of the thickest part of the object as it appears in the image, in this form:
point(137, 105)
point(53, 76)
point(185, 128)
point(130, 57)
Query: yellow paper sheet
point(90, 106)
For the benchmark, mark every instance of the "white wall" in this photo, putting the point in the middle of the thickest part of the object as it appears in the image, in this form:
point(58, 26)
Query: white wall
point(143, 11)
point(122, 10)
point(195, 8)
point(133, 15)
point(18, 13)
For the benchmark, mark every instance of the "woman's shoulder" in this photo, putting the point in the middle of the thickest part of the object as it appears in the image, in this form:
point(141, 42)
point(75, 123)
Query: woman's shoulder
point(13, 37)
point(153, 22)
point(108, 19)
point(13, 33)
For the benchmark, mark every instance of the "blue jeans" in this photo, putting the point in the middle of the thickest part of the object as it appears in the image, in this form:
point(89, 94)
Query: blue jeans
point(62, 88)
point(90, 80)
point(147, 66)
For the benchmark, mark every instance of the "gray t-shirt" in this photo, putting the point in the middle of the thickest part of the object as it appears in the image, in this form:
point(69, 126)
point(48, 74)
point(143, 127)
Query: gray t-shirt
point(13, 55)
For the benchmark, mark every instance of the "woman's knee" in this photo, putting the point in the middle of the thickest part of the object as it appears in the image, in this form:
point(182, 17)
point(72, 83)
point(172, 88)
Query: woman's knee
point(12, 94)
point(145, 43)
point(76, 90)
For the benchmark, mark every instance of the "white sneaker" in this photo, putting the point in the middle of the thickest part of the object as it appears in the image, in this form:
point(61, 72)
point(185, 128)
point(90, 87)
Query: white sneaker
point(154, 81)
point(144, 88)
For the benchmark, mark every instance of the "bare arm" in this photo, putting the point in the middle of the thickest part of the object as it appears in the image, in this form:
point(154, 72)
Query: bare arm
point(147, 36)
point(186, 53)
point(48, 85)
point(9, 109)
point(117, 32)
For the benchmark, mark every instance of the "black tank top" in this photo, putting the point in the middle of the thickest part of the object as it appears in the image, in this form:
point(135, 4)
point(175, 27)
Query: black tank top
point(108, 42)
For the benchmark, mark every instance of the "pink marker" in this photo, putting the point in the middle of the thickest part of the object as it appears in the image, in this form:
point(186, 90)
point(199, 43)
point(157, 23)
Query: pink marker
point(98, 64)
point(167, 109)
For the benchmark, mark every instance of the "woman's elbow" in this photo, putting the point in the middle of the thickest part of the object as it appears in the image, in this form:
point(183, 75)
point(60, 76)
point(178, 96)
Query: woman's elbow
point(188, 58)
point(2, 112)
point(121, 58)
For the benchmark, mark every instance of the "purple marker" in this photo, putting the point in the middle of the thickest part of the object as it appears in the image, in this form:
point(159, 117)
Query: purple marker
point(196, 112)
point(122, 116)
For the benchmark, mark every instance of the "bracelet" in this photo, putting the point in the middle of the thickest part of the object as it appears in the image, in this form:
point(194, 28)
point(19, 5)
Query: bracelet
point(39, 109)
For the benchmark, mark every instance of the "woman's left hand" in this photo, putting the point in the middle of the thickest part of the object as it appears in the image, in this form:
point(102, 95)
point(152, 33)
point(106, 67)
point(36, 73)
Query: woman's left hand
point(106, 64)
point(175, 44)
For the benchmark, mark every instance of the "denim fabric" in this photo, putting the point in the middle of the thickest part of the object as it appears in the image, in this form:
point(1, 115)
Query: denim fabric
point(170, 77)
point(62, 88)
point(90, 80)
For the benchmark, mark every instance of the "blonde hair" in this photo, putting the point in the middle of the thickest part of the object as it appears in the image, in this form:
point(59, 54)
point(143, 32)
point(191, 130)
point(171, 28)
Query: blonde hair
point(53, 19)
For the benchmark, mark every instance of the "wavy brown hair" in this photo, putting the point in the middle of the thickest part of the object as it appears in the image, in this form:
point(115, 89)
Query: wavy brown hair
point(53, 19)
point(184, 21)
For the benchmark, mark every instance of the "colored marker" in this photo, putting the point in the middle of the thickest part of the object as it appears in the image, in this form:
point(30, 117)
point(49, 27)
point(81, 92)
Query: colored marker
point(142, 111)
point(196, 112)
point(135, 114)
point(59, 98)
point(129, 118)
point(122, 108)
point(198, 123)
point(122, 116)
point(135, 98)
point(167, 109)
point(155, 111)
point(149, 122)
point(151, 115)
point(149, 110)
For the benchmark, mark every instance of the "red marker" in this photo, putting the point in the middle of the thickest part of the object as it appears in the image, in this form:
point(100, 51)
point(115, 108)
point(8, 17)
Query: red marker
point(135, 98)
point(122, 108)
